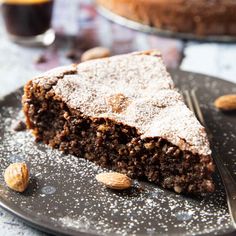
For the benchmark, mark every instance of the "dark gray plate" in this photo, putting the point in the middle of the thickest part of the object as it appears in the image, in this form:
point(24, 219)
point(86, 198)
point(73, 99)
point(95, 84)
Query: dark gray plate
point(154, 30)
point(64, 197)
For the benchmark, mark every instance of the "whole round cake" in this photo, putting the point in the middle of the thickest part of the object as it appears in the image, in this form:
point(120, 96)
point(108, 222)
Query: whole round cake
point(200, 17)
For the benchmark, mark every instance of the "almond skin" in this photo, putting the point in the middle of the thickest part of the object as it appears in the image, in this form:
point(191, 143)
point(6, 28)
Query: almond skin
point(95, 53)
point(226, 102)
point(114, 180)
point(16, 176)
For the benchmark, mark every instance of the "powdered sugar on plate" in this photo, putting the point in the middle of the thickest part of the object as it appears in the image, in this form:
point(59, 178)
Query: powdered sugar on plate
point(63, 194)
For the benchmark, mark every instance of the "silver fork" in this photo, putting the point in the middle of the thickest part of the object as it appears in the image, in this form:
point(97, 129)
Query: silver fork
point(227, 179)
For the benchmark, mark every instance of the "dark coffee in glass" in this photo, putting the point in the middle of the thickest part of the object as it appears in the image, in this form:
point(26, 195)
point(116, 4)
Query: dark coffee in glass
point(28, 20)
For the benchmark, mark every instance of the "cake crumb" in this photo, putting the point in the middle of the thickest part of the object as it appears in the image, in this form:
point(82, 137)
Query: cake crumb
point(19, 126)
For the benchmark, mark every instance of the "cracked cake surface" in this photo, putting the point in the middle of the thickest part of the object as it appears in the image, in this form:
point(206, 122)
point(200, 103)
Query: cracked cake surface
point(154, 106)
point(133, 91)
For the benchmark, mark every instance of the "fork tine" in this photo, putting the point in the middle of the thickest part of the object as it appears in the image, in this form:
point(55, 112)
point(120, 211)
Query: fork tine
point(188, 100)
point(197, 107)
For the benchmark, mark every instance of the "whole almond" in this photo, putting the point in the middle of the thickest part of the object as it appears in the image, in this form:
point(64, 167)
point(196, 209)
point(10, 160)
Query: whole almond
point(16, 176)
point(95, 53)
point(114, 180)
point(226, 102)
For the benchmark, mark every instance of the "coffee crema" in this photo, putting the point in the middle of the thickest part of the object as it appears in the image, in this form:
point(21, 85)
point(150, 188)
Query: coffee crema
point(27, 18)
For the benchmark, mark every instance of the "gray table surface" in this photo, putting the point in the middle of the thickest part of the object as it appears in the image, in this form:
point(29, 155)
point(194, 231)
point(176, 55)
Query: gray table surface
point(209, 58)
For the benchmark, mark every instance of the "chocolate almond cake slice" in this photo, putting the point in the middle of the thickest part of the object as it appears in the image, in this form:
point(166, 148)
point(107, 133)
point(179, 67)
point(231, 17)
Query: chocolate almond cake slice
point(122, 113)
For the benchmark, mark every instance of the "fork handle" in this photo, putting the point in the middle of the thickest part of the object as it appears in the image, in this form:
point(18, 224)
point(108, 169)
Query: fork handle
point(230, 188)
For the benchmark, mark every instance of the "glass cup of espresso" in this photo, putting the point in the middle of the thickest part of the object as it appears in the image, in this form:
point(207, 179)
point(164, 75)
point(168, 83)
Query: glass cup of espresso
point(28, 21)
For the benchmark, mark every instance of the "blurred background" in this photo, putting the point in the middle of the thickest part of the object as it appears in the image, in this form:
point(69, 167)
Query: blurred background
point(77, 27)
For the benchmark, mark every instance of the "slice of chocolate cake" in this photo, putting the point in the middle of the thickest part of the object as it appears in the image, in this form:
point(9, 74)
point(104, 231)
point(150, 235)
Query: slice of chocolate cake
point(122, 113)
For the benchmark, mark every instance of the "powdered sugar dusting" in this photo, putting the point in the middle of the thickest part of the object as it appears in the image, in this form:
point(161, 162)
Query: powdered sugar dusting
point(155, 108)
point(64, 194)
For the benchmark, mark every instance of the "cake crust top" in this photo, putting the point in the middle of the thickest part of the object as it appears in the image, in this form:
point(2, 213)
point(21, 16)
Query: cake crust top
point(133, 89)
